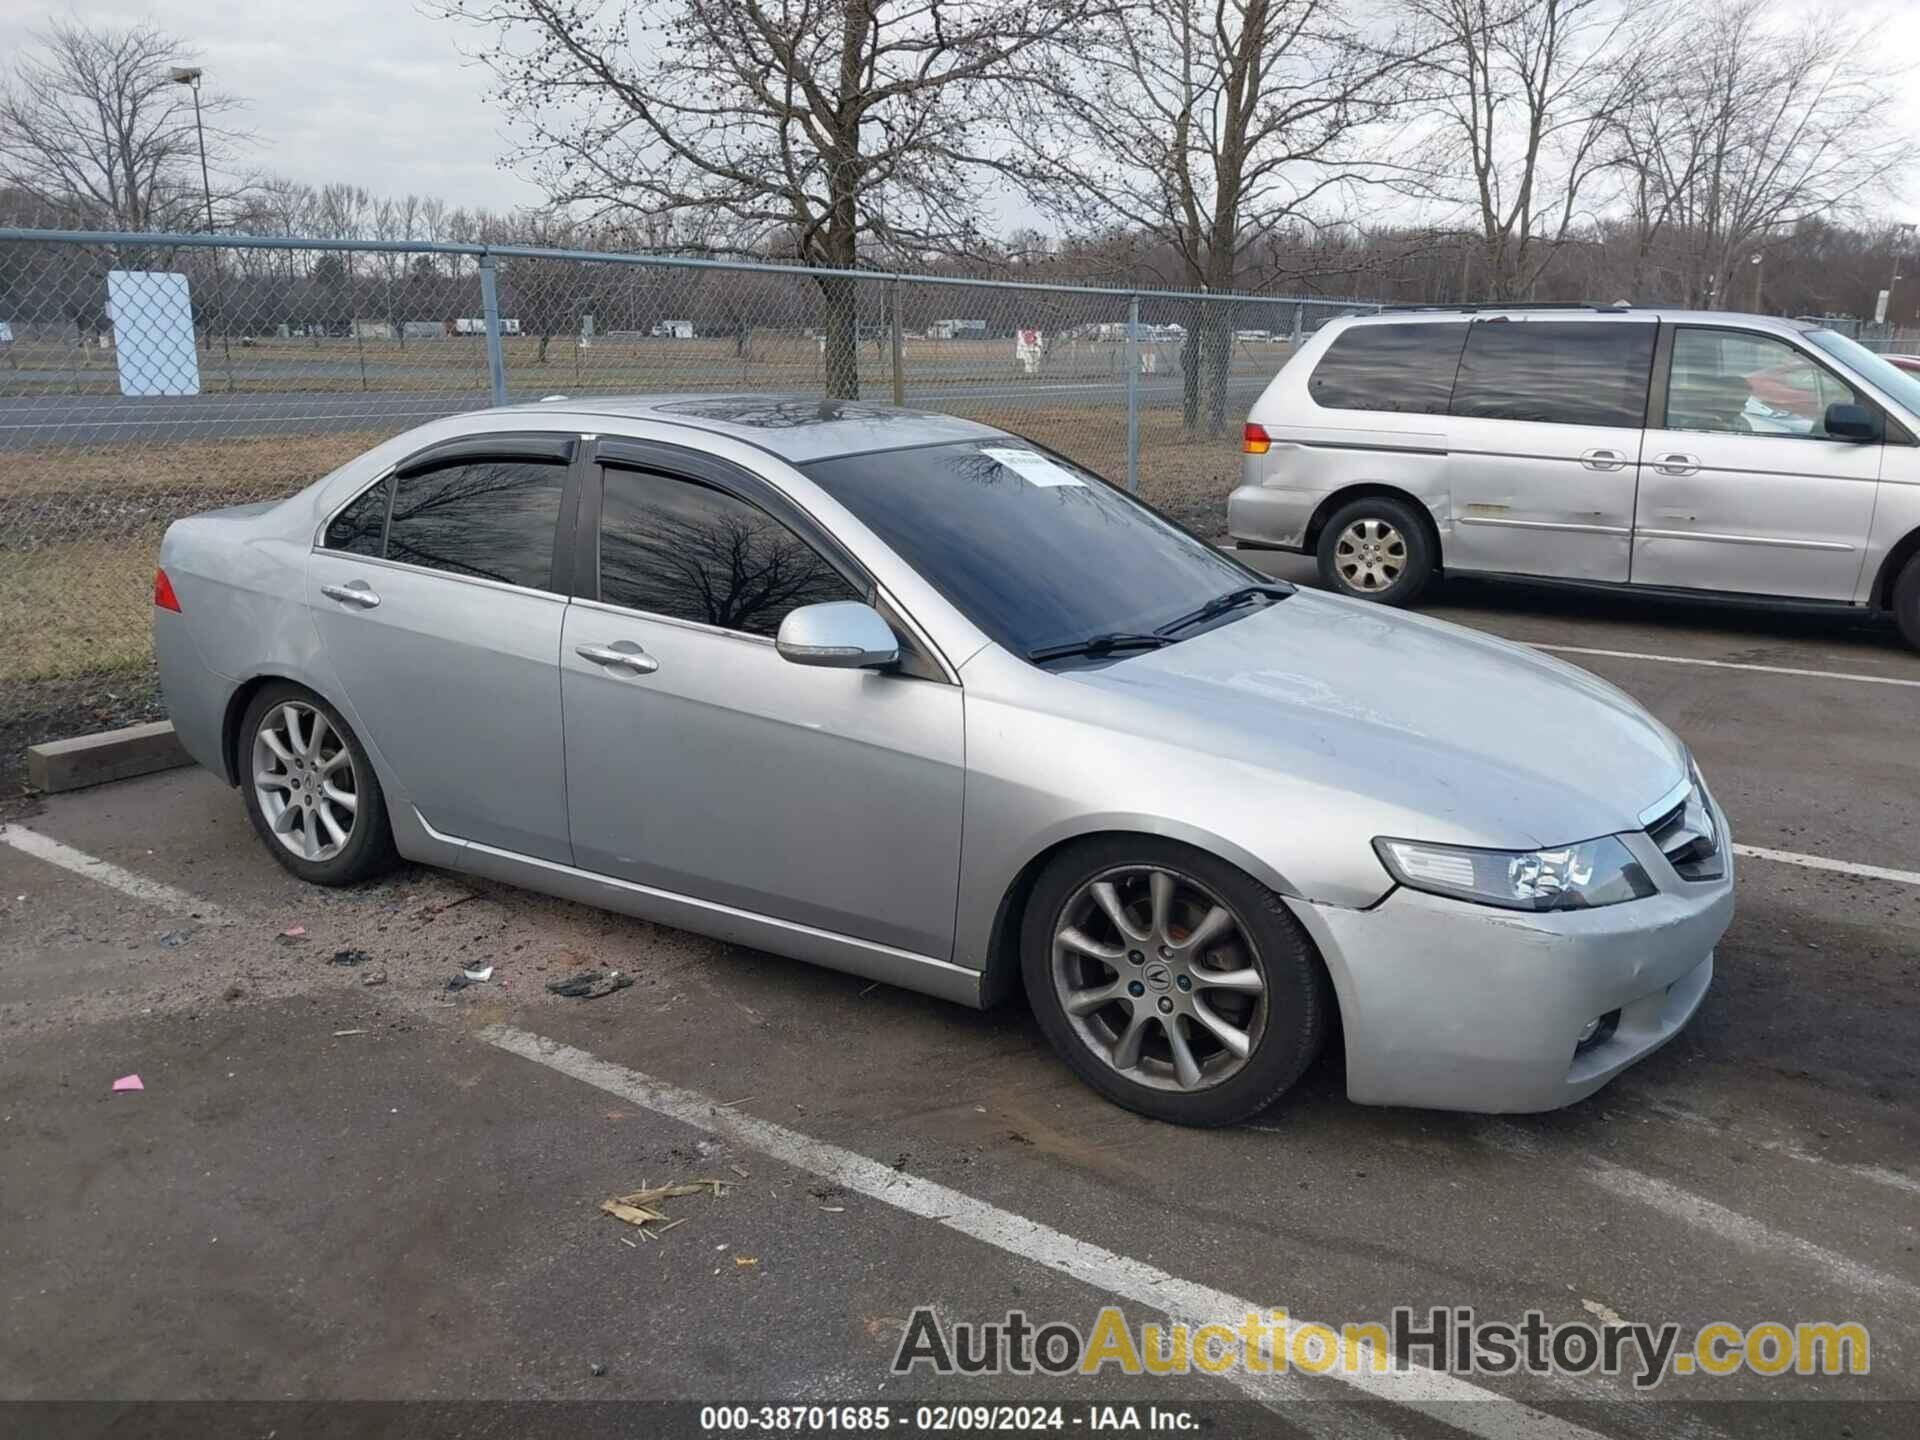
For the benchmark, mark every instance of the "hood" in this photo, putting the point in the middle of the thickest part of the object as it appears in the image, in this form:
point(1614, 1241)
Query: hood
point(1486, 741)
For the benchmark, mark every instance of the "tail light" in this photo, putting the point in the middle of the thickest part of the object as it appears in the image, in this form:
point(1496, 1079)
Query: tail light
point(1254, 439)
point(163, 595)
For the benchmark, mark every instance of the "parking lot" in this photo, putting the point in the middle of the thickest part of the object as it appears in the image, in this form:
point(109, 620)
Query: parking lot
point(331, 1188)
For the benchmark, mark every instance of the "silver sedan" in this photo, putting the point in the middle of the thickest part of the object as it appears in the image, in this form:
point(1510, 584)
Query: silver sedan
point(914, 698)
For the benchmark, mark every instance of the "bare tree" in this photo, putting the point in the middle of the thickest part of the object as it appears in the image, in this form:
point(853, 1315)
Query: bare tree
point(1752, 128)
point(1532, 90)
point(820, 128)
point(1202, 128)
point(93, 125)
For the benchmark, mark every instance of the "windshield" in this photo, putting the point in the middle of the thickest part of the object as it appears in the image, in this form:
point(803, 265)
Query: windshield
point(1897, 383)
point(1031, 548)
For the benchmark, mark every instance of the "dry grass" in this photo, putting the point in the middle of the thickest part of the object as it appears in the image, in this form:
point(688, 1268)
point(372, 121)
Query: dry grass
point(79, 526)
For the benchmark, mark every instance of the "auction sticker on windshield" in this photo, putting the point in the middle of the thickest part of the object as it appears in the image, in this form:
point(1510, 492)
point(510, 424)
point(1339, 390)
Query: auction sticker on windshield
point(1035, 469)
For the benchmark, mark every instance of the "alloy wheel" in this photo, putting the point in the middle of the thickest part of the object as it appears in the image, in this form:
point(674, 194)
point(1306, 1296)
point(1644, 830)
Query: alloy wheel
point(1370, 555)
point(305, 782)
point(1159, 978)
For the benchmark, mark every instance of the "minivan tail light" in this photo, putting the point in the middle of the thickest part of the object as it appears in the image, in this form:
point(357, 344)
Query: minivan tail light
point(1254, 439)
point(163, 595)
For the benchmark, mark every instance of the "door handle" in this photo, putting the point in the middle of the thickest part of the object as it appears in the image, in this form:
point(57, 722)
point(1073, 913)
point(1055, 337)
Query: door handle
point(1676, 464)
point(1603, 459)
point(356, 594)
point(624, 655)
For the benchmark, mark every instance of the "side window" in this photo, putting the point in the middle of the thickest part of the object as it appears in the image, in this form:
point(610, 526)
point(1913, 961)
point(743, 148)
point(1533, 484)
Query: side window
point(690, 552)
point(493, 519)
point(1403, 368)
point(1727, 383)
point(1556, 372)
point(362, 526)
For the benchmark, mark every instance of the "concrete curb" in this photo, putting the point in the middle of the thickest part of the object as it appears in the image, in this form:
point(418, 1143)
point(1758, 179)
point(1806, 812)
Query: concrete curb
point(112, 755)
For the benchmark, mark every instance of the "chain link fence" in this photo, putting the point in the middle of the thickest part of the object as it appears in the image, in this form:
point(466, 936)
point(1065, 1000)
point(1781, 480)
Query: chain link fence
point(147, 377)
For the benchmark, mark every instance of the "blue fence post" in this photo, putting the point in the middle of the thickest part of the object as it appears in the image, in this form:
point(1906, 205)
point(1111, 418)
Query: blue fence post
point(1133, 395)
point(490, 307)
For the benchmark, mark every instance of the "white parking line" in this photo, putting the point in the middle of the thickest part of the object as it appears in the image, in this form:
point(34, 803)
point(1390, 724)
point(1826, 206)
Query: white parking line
point(1873, 1174)
point(1746, 1232)
point(1727, 665)
point(1428, 1392)
point(150, 892)
point(1820, 862)
point(1704, 1214)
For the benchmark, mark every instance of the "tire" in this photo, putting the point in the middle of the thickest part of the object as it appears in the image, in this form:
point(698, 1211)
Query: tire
point(1393, 573)
point(1906, 602)
point(292, 818)
point(1283, 1025)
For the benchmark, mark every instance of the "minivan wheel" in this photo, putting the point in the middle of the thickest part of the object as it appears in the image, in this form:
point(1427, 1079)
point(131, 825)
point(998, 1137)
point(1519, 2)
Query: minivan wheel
point(1376, 548)
point(1906, 602)
point(1171, 982)
point(310, 788)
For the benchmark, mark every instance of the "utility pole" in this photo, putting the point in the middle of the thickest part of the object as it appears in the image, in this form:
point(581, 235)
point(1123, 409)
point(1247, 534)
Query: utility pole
point(189, 75)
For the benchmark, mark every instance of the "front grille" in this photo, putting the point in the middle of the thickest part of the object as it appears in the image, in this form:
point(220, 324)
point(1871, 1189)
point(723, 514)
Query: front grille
point(1689, 839)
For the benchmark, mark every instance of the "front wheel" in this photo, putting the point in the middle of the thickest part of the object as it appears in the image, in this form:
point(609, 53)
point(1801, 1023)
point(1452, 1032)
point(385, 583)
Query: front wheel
point(1170, 981)
point(310, 788)
point(1376, 548)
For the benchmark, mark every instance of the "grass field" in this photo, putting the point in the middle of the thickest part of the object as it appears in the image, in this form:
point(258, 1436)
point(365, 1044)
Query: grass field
point(762, 360)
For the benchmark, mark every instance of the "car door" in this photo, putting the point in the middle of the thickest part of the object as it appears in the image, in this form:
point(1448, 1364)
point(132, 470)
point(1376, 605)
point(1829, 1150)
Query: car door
point(1544, 445)
point(702, 763)
point(436, 599)
point(1741, 488)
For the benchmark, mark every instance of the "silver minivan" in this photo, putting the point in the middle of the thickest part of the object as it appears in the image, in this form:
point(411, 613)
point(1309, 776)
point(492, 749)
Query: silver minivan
point(1675, 450)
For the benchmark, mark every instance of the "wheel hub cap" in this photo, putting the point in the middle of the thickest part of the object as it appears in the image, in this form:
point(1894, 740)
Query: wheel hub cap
point(1369, 555)
point(1187, 1019)
point(305, 781)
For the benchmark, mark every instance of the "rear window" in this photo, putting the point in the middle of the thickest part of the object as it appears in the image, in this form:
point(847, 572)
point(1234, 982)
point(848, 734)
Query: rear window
point(1404, 368)
point(1556, 372)
point(491, 519)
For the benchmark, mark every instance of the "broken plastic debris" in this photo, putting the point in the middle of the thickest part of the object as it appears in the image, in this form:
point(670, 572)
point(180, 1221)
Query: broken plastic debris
point(478, 974)
point(349, 957)
point(590, 984)
point(292, 934)
point(128, 1082)
point(341, 1034)
point(745, 1261)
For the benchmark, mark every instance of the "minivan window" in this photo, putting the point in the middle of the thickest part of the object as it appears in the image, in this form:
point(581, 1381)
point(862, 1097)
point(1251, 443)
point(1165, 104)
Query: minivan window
point(1732, 383)
point(491, 519)
point(1903, 387)
point(1404, 368)
point(690, 552)
point(1556, 372)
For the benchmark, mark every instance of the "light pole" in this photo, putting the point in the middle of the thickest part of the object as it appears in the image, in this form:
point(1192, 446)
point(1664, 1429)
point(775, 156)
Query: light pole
point(189, 75)
point(1906, 229)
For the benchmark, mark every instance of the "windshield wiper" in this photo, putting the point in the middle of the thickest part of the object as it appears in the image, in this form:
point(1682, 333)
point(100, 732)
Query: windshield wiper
point(1220, 604)
point(1104, 643)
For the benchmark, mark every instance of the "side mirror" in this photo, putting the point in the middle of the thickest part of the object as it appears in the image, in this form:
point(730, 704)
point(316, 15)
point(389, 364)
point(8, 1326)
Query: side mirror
point(1851, 422)
point(841, 634)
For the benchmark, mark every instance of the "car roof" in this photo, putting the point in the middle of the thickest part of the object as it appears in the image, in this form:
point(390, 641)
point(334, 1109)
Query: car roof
point(1776, 324)
point(797, 428)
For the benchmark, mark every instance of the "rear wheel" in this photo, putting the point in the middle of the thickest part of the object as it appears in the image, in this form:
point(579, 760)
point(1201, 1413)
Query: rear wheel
point(1376, 548)
point(1906, 602)
point(310, 788)
point(1171, 982)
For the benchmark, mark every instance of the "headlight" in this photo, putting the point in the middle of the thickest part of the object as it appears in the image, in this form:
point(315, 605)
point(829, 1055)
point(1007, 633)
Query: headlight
point(1571, 877)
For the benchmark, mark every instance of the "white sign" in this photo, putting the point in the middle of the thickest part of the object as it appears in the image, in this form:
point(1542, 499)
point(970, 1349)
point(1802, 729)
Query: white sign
point(1880, 308)
point(153, 332)
point(6, 333)
point(1034, 468)
point(1026, 349)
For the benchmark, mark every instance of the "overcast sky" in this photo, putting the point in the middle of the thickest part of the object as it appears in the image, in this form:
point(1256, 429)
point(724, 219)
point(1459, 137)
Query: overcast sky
point(374, 92)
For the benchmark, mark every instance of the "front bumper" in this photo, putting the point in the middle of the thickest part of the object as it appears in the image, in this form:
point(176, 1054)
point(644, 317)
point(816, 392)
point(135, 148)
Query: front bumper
point(1453, 1006)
